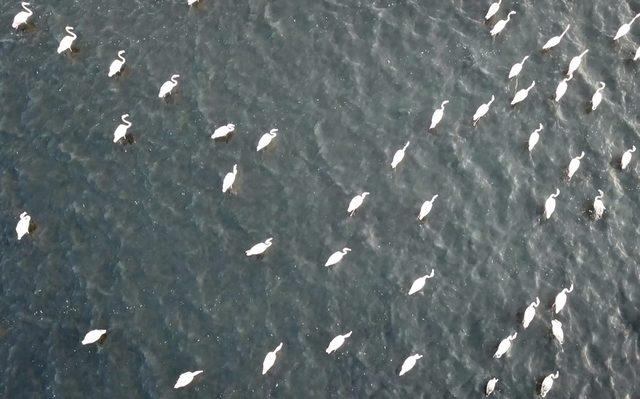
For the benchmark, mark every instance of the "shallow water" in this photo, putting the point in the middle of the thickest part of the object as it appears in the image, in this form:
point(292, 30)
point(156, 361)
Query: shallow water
point(139, 239)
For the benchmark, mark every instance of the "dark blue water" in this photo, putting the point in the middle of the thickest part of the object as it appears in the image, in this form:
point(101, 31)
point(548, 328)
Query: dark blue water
point(138, 239)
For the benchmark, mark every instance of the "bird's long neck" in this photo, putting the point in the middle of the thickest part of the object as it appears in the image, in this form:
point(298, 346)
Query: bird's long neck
point(564, 32)
point(405, 146)
point(26, 9)
point(125, 121)
point(70, 32)
point(531, 86)
point(583, 53)
point(633, 149)
point(120, 56)
point(634, 18)
point(173, 80)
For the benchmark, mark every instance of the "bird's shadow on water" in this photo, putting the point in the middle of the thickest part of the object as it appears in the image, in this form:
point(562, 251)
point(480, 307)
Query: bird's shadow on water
point(224, 139)
point(29, 27)
point(32, 227)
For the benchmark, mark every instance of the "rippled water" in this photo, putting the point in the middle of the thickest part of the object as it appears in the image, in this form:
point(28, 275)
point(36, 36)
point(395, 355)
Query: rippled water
point(139, 239)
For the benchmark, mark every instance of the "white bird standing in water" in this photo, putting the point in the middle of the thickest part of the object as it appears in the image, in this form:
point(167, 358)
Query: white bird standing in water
point(408, 364)
point(530, 313)
point(337, 257)
point(121, 130)
point(504, 345)
point(186, 378)
point(534, 137)
point(356, 202)
point(22, 228)
point(493, 9)
point(554, 41)
point(561, 299)
point(399, 156)
point(337, 342)
point(270, 359)
point(574, 165)
point(624, 28)
point(223, 131)
point(562, 87)
point(517, 67)
point(229, 178)
point(556, 330)
point(626, 158)
point(491, 386)
point(499, 26)
point(550, 204)
point(67, 41)
point(116, 66)
point(482, 110)
point(547, 383)
point(597, 97)
point(192, 2)
point(22, 17)
point(426, 208)
point(167, 87)
point(266, 139)
point(420, 282)
point(437, 115)
point(575, 63)
point(522, 94)
point(598, 206)
point(259, 248)
point(93, 336)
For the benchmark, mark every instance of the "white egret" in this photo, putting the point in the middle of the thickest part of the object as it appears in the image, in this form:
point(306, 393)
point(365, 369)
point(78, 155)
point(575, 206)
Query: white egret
point(229, 178)
point(597, 97)
point(624, 28)
point(550, 204)
point(356, 202)
point(517, 67)
point(626, 158)
point(530, 312)
point(562, 87)
point(574, 165)
point(561, 299)
point(167, 87)
point(22, 228)
point(419, 283)
point(575, 62)
point(499, 26)
point(556, 330)
point(437, 115)
point(186, 378)
point(337, 257)
point(121, 130)
point(67, 41)
point(93, 336)
point(598, 206)
point(270, 359)
point(482, 110)
point(192, 2)
point(426, 207)
point(554, 41)
point(399, 156)
point(547, 383)
point(266, 139)
point(491, 386)
point(504, 345)
point(493, 9)
point(337, 342)
point(408, 364)
point(116, 66)
point(223, 131)
point(534, 137)
point(259, 248)
point(22, 17)
point(522, 94)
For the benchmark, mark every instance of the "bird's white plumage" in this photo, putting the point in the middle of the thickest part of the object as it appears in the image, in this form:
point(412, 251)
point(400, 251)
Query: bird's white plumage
point(482, 110)
point(493, 9)
point(420, 282)
point(399, 156)
point(22, 17)
point(562, 87)
point(597, 97)
point(547, 383)
point(500, 25)
point(168, 86)
point(192, 2)
point(530, 312)
point(636, 56)
point(561, 299)
point(67, 41)
point(574, 165)
point(223, 131)
point(270, 359)
point(259, 248)
point(356, 202)
point(121, 130)
point(517, 67)
point(337, 342)
point(266, 139)
point(550, 204)
point(116, 65)
point(22, 228)
point(626, 158)
point(598, 205)
point(186, 378)
point(556, 329)
point(554, 41)
point(408, 364)
point(575, 63)
point(426, 207)
point(491, 386)
point(93, 336)
point(534, 137)
point(504, 345)
point(336, 257)
point(522, 94)
point(229, 178)
point(437, 115)
point(625, 28)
